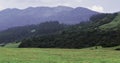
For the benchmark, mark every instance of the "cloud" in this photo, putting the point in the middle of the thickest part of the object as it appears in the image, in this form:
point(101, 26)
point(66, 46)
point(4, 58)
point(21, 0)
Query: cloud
point(97, 8)
point(1, 7)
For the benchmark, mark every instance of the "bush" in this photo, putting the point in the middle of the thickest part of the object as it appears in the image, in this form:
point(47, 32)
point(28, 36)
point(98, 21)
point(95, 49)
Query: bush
point(117, 49)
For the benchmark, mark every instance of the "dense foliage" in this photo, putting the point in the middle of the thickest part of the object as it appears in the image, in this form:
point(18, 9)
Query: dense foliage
point(85, 34)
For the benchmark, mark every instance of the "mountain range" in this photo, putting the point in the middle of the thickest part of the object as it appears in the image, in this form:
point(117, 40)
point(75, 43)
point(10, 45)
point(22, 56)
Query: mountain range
point(34, 15)
point(90, 28)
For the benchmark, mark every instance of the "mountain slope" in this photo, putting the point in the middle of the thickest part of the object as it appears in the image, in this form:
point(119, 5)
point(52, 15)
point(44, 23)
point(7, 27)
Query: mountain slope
point(16, 17)
point(85, 34)
point(115, 24)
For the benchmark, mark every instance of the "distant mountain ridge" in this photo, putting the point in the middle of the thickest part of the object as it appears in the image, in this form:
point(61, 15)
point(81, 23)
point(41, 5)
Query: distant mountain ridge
point(34, 15)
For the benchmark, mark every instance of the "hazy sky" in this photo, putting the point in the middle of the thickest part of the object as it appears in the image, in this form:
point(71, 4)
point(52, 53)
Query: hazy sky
point(97, 5)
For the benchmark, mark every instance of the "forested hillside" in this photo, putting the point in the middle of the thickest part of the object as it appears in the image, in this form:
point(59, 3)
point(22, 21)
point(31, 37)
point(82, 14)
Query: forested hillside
point(17, 34)
point(85, 34)
point(102, 30)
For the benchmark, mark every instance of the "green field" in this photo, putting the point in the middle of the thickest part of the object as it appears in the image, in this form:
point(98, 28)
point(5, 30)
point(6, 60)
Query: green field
point(38, 55)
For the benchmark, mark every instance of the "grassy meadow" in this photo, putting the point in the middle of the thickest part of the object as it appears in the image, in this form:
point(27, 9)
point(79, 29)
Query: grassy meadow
point(41, 55)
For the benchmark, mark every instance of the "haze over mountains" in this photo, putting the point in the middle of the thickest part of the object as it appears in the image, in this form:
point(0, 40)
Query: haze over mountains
point(16, 17)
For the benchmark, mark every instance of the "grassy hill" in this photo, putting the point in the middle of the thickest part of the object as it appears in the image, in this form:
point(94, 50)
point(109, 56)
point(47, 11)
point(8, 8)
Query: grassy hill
point(113, 24)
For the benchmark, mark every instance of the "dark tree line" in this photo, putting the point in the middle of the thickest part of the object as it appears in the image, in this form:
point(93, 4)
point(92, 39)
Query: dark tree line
point(75, 40)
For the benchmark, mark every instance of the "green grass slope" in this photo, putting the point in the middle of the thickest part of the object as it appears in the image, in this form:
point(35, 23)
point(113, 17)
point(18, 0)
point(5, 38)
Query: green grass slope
point(112, 25)
point(12, 45)
point(35, 55)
